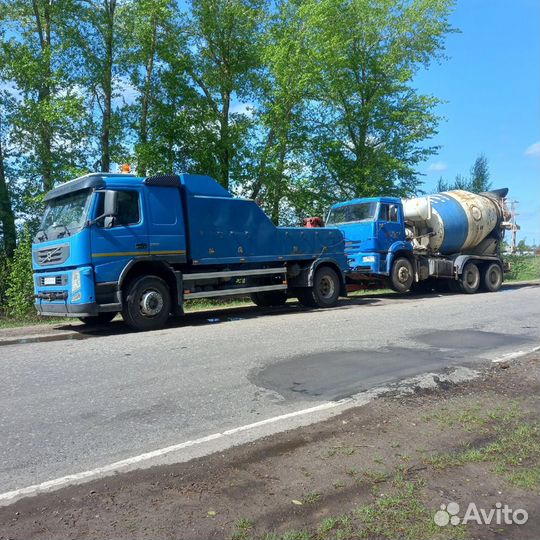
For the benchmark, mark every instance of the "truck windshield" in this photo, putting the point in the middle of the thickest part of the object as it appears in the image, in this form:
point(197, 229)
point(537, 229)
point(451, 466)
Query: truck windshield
point(352, 213)
point(64, 216)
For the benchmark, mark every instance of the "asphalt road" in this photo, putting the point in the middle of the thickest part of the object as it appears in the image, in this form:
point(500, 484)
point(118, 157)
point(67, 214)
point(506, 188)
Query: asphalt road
point(71, 405)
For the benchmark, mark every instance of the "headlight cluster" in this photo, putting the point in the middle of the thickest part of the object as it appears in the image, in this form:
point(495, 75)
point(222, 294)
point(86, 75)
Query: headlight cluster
point(75, 281)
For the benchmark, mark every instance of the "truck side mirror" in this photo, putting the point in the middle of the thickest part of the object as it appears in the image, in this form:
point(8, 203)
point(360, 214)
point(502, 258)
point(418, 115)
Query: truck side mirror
point(110, 204)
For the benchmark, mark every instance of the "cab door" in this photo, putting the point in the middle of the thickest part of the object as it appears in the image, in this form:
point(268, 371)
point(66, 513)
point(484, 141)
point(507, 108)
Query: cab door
point(113, 247)
point(389, 225)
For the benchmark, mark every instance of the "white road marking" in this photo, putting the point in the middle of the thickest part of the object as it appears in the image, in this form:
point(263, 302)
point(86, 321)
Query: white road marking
point(514, 355)
point(64, 481)
point(10, 497)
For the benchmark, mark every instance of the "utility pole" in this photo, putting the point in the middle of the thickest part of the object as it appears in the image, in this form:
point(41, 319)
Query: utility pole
point(514, 226)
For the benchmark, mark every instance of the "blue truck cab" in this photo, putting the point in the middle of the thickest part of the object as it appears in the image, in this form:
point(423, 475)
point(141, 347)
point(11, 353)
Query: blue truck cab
point(111, 243)
point(374, 230)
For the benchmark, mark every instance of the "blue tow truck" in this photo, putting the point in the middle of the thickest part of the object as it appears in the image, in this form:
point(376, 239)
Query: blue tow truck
point(111, 243)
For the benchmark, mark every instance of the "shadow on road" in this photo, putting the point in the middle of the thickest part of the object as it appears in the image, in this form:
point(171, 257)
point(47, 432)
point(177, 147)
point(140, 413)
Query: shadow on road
point(228, 314)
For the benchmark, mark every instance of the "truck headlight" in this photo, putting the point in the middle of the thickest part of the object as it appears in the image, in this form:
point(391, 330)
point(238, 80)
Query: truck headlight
point(75, 281)
point(368, 258)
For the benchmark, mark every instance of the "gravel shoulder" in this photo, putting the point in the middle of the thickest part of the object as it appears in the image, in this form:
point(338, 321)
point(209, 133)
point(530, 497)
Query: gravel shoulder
point(381, 470)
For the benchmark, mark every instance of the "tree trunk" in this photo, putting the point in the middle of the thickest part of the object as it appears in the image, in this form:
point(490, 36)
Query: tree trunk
point(225, 154)
point(110, 8)
point(261, 169)
point(7, 217)
point(142, 165)
point(43, 28)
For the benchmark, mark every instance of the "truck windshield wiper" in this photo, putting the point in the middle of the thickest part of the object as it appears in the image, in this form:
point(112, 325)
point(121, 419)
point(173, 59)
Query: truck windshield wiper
point(43, 234)
point(57, 225)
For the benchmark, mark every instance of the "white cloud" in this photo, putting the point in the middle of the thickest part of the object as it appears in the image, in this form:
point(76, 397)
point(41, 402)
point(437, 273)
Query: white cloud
point(438, 166)
point(533, 150)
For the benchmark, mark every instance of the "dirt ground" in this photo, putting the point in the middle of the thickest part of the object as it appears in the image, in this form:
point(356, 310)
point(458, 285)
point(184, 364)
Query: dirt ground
point(378, 471)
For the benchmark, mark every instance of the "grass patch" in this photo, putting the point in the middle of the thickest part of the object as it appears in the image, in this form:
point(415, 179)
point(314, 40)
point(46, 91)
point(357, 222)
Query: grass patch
point(514, 452)
point(401, 514)
point(522, 268)
point(475, 417)
point(30, 320)
point(242, 529)
point(311, 498)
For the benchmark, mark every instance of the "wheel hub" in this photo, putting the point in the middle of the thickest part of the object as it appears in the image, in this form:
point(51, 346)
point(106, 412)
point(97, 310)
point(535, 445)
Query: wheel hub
point(326, 287)
point(151, 303)
point(403, 274)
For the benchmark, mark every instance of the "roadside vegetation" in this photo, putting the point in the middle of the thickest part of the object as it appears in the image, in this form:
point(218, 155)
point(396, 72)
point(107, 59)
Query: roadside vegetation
point(401, 506)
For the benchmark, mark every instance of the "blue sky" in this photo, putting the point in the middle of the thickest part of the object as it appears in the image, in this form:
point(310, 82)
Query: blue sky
point(491, 83)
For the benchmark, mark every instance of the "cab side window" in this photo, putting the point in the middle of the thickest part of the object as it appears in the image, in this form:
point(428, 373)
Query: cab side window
point(389, 212)
point(128, 208)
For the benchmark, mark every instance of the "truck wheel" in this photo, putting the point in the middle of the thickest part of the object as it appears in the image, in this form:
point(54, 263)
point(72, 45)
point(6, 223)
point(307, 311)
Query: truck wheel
point(470, 278)
point(325, 290)
point(401, 277)
point(492, 277)
point(100, 318)
point(147, 303)
point(269, 298)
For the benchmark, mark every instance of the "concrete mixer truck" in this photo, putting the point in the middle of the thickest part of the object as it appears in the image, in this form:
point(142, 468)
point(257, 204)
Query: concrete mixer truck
point(447, 240)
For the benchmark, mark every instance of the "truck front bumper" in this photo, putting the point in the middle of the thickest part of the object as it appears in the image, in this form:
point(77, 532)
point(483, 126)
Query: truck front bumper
point(65, 292)
point(50, 309)
point(364, 263)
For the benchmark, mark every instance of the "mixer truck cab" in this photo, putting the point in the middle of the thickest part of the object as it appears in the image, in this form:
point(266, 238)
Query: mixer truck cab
point(450, 239)
point(111, 243)
point(374, 233)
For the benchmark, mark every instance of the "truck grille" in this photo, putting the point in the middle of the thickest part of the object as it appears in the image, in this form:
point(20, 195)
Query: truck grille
point(45, 281)
point(52, 255)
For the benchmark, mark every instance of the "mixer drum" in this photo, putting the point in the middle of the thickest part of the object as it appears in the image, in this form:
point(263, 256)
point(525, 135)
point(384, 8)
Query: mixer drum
point(457, 220)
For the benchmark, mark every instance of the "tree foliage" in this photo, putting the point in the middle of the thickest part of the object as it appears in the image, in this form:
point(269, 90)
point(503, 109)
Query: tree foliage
point(477, 182)
point(296, 103)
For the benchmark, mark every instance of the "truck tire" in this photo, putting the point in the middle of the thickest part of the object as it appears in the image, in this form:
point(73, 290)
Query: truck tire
point(492, 277)
point(325, 290)
point(402, 276)
point(100, 318)
point(147, 303)
point(470, 278)
point(269, 298)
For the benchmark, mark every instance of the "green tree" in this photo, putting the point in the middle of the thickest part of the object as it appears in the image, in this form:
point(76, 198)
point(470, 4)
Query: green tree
point(98, 41)
point(7, 215)
point(20, 289)
point(370, 124)
point(222, 60)
point(477, 183)
point(48, 117)
point(286, 88)
point(479, 180)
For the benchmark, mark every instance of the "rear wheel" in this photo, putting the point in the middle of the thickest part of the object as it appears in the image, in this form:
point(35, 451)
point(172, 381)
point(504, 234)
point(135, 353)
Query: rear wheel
point(492, 277)
point(269, 298)
point(470, 278)
point(325, 290)
point(401, 277)
point(100, 318)
point(147, 303)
